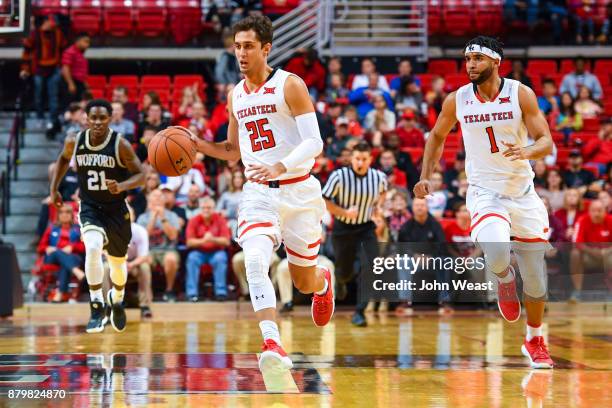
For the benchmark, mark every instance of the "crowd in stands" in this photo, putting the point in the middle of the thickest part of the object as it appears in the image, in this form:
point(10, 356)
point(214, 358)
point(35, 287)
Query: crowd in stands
point(187, 225)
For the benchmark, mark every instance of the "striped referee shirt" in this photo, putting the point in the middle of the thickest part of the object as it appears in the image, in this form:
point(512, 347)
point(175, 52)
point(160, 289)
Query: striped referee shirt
point(346, 189)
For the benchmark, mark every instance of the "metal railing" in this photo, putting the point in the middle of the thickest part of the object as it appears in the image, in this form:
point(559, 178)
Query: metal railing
point(13, 148)
point(353, 28)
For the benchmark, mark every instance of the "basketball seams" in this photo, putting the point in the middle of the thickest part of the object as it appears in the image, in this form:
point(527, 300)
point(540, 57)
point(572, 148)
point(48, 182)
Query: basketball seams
point(170, 158)
point(183, 149)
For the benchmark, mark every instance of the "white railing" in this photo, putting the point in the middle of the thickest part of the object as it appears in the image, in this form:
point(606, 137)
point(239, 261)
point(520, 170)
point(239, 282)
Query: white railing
point(353, 28)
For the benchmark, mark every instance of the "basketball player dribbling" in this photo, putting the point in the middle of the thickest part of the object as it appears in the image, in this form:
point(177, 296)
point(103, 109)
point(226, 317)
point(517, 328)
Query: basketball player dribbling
point(107, 167)
point(496, 115)
point(273, 128)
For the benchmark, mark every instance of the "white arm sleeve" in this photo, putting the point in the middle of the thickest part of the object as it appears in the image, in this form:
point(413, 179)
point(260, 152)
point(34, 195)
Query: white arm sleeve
point(311, 144)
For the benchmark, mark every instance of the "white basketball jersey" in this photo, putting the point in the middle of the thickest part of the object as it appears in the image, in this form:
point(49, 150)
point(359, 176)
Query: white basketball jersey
point(267, 130)
point(484, 126)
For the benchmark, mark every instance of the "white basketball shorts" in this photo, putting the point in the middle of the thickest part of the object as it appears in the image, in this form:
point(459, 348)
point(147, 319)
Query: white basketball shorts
point(526, 215)
point(290, 213)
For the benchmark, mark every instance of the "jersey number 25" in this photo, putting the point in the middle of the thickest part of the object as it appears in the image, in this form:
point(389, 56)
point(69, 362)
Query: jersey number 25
point(261, 138)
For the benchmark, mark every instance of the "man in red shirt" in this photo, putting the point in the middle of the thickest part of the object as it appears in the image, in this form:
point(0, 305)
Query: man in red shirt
point(307, 66)
point(598, 150)
point(75, 69)
point(207, 235)
point(592, 237)
point(410, 135)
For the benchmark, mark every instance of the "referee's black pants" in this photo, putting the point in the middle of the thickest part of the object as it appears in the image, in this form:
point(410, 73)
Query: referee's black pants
point(348, 241)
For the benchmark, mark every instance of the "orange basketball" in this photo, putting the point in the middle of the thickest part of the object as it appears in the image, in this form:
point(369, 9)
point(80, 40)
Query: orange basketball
point(172, 152)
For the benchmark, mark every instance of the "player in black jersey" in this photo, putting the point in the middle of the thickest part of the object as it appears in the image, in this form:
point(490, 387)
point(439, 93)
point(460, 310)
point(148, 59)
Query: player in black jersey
point(107, 167)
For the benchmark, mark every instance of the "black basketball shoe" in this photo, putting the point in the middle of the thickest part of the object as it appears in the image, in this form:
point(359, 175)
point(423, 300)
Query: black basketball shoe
point(117, 313)
point(98, 318)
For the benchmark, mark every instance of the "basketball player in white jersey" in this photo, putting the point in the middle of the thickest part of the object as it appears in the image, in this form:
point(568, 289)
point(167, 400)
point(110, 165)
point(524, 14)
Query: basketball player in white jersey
point(273, 128)
point(496, 115)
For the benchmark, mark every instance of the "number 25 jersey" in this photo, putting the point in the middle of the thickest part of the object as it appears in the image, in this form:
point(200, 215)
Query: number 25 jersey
point(484, 126)
point(95, 165)
point(267, 130)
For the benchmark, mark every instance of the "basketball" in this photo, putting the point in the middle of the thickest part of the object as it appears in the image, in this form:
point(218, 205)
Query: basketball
point(172, 152)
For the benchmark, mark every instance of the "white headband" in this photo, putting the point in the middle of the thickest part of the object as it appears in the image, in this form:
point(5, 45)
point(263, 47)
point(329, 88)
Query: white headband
point(482, 50)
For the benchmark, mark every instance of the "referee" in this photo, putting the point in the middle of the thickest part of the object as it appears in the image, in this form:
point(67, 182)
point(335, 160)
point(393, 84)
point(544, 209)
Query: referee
point(351, 194)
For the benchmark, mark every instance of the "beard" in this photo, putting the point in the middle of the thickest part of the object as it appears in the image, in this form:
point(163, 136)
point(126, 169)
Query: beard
point(484, 75)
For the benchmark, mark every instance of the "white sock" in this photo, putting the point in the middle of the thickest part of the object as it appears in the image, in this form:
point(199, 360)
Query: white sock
point(533, 332)
point(508, 278)
point(117, 295)
point(269, 330)
point(96, 295)
point(324, 290)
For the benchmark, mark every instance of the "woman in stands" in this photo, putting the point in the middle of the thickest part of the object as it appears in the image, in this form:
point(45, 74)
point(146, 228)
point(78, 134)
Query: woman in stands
point(61, 245)
point(585, 105)
point(568, 120)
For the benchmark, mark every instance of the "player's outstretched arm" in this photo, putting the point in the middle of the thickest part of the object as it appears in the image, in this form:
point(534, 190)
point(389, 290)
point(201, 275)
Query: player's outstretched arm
point(61, 167)
point(227, 150)
point(302, 109)
point(133, 164)
point(536, 126)
point(435, 144)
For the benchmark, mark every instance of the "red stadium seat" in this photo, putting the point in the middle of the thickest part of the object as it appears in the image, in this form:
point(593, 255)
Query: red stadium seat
point(541, 68)
point(85, 16)
point(98, 93)
point(608, 107)
point(96, 82)
point(185, 19)
point(603, 65)
point(416, 153)
point(505, 68)
point(590, 125)
point(117, 17)
point(488, 17)
point(151, 17)
point(47, 7)
point(434, 17)
point(455, 81)
point(279, 6)
point(442, 67)
point(425, 81)
point(129, 81)
point(181, 81)
point(155, 82)
point(458, 17)
point(567, 66)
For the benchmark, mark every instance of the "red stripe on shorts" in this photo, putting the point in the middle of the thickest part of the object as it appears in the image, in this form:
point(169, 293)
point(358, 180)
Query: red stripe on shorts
point(529, 239)
point(487, 216)
point(314, 244)
point(310, 258)
point(258, 225)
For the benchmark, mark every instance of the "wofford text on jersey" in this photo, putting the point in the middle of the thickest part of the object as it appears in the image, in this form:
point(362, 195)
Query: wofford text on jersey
point(486, 117)
point(93, 160)
point(256, 110)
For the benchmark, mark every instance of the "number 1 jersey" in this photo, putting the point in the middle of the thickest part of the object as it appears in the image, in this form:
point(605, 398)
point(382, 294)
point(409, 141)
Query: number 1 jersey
point(484, 125)
point(95, 165)
point(267, 130)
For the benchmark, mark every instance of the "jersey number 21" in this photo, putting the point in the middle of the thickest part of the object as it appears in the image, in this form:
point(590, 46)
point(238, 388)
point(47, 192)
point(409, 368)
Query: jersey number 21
point(96, 180)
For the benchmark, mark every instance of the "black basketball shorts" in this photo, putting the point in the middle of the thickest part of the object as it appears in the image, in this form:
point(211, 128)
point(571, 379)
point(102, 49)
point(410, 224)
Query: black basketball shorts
point(112, 220)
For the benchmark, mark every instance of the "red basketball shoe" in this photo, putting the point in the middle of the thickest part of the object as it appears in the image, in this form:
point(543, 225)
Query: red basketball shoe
point(507, 301)
point(537, 353)
point(322, 308)
point(273, 357)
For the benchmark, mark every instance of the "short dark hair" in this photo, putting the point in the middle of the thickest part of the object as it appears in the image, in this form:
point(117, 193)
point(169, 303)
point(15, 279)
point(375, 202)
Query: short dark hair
point(81, 35)
point(262, 25)
point(458, 205)
point(122, 88)
point(489, 42)
point(74, 107)
point(99, 103)
point(149, 127)
point(362, 147)
point(549, 81)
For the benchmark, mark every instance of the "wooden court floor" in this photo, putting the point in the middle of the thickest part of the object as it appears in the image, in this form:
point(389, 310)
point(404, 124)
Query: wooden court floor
point(205, 355)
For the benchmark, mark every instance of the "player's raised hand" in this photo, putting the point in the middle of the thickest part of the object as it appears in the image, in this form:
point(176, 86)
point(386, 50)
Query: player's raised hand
point(261, 172)
point(514, 152)
point(422, 189)
point(113, 186)
point(56, 199)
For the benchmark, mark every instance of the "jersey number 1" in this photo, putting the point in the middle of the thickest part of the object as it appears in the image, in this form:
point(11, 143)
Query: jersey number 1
point(261, 138)
point(96, 180)
point(494, 148)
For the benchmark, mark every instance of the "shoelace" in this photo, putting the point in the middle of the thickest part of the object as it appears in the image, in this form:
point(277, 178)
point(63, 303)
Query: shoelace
point(541, 351)
point(320, 305)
